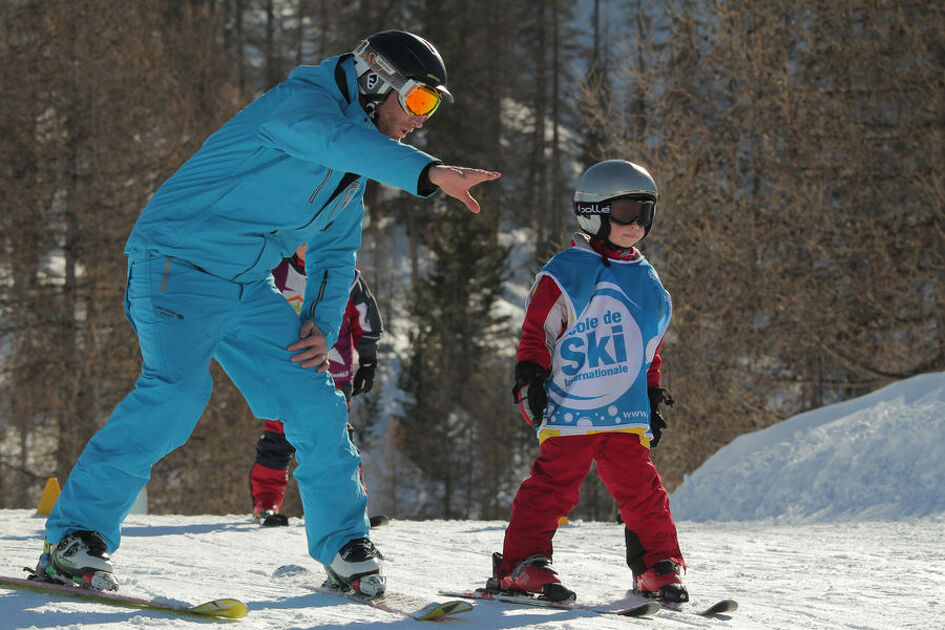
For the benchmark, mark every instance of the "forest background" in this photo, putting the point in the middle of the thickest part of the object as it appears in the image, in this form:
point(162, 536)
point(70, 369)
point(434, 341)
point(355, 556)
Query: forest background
point(798, 146)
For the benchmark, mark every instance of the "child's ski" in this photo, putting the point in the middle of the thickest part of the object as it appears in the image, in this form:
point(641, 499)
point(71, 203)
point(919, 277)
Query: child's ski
point(640, 610)
point(721, 607)
point(217, 608)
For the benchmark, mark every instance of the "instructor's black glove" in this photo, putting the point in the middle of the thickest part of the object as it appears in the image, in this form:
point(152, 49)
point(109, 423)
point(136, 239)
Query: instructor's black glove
point(364, 377)
point(529, 391)
point(658, 396)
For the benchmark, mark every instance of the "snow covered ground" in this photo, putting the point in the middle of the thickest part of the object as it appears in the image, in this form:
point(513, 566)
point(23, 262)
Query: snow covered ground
point(865, 557)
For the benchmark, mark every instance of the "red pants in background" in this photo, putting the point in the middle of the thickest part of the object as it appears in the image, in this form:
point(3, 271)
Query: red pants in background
point(553, 489)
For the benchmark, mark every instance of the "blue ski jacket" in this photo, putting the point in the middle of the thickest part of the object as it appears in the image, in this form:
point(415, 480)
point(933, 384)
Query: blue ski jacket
point(290, 168)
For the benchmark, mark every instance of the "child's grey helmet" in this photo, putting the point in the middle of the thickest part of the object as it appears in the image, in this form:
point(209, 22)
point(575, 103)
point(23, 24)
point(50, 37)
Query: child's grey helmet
point(604, 182)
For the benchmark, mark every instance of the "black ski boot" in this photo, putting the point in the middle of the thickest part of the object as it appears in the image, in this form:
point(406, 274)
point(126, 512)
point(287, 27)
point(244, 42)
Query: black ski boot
point(272, 518)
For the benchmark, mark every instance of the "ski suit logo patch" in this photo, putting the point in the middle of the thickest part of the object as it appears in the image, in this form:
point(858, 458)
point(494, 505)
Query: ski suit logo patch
point(599, 357)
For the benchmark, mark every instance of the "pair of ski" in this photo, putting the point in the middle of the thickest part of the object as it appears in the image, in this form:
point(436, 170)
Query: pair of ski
point(404, 605)
point(639, 610)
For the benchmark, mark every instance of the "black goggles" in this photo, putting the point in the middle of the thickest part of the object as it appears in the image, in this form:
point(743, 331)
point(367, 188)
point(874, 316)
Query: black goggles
point(623, 210)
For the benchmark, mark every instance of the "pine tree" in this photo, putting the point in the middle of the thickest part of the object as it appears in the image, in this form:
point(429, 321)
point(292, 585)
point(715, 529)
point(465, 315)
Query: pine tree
point(452, 350)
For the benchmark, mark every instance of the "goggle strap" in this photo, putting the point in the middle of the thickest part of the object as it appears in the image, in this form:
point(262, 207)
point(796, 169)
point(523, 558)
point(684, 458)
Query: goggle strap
point(599, 207)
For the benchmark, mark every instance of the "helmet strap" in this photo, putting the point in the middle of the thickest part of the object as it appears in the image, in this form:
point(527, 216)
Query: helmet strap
point(616, 248)
point(603, 237)
point(370, 107)
point(603, 234)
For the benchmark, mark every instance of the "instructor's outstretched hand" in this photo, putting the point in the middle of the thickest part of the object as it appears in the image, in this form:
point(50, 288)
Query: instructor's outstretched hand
point(456, 181)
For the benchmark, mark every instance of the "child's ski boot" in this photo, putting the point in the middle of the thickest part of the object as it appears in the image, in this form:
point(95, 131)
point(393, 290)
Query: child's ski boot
point(79, 559)
point(378, 520)
point(533, 576)
point(355, 569)
point(664, 581)
point(271, 518)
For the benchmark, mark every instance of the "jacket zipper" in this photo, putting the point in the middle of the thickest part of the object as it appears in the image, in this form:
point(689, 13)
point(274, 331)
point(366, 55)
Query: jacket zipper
point(320, 186)
point(318, 298)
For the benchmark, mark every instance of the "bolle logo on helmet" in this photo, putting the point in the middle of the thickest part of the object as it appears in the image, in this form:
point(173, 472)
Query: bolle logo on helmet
point(590, 208)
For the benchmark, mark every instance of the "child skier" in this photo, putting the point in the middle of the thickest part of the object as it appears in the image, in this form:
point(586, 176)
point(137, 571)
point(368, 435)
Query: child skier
point(587, 379)
point(361, 329)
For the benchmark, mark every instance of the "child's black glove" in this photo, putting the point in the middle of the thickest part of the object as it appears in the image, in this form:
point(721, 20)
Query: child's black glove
point(529, 391)
point(364, 378)
point(658, 396)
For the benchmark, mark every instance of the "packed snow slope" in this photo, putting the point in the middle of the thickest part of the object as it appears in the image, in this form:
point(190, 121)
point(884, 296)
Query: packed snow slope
point(869, 556)
point(880, 456)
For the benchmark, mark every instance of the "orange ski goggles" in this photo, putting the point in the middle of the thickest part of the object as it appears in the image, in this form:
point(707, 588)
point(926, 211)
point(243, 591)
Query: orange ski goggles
point(418, 99)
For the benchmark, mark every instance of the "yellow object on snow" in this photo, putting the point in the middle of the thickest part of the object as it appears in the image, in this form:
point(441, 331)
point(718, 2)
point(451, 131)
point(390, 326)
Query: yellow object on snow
point(50, 494)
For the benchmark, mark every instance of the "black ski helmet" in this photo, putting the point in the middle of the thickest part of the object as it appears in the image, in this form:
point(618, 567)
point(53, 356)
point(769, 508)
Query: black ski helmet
point(604, 182)
point(385, 60)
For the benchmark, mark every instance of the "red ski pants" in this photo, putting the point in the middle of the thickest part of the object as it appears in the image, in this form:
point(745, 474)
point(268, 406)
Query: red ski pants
point(269, 476)
point(553, 489)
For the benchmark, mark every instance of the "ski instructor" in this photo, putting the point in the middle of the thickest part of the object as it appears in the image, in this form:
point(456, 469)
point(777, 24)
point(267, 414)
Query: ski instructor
point(288, 169)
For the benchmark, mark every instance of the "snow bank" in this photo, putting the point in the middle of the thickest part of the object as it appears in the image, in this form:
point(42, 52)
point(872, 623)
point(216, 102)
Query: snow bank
point(877, 457)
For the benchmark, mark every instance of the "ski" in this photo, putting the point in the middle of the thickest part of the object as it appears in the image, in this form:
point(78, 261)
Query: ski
point(395, 603)
point(399, 604)
point(721, 607)
point(217, 608)
point(640, 610)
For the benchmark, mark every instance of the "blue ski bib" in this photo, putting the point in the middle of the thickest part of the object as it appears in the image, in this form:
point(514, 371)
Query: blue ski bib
point(617, 317)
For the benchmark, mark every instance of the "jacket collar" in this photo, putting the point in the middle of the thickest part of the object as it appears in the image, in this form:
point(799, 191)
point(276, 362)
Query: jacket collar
point(584, 241)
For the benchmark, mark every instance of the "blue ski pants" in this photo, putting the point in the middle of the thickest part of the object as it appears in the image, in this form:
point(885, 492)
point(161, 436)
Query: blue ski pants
point(184, 317)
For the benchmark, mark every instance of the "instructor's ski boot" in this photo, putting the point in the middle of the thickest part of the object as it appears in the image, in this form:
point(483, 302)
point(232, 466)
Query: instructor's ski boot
point(355, 568)
point(533, 576)
point(664, 581)
point(79, 559)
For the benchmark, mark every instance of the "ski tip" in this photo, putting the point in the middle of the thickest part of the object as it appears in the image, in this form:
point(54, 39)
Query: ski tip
point(720, 608)
point(290, 571)
point(437, 610)
point(222, 608)
point(643, 610)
